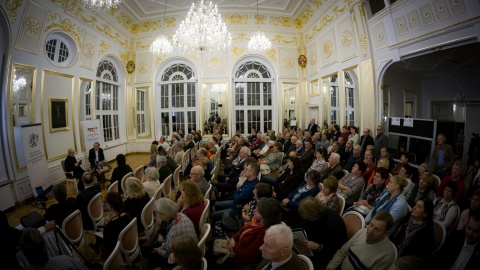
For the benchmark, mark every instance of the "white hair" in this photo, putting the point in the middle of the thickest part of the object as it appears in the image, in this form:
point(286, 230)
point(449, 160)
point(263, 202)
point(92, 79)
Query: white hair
point(335, 156)
point(284, 235)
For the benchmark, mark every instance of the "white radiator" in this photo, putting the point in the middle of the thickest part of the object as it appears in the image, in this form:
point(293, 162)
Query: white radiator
point(6, 198)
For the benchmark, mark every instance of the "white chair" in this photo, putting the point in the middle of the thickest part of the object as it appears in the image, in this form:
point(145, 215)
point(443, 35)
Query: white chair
point(159, 192)
point(395, 249)
point(129, 243)
point(345, 172)
point(95, 211)
point(438, 181)
point(209, 190)
point(203, 237)
point(439, 233)
point(113, 187)
point(176, 179)
point(408, 187)
point(341, 202)
point(409, 208)
point(122, 182)
point(307, 264)
point(204, 264)
point(69, 177)
point(147, 220)
point(170, 151)
point(115, 260)
point(354, 221)
point(205, 214)
point(457, 219)
point(167, 186)
point(185, 160)
point(139, 173)
point(72, 228)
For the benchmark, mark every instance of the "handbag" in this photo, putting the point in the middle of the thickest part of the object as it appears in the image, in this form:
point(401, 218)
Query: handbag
point(264, 169)
point(231, 221)
point(222, 246)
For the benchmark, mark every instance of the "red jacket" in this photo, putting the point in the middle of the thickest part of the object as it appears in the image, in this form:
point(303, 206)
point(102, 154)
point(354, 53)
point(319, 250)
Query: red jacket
point(460, 188)
point(247, 244)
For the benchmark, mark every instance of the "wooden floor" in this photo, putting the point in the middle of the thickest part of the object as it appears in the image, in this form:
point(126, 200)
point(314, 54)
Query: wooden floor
point(14, 214)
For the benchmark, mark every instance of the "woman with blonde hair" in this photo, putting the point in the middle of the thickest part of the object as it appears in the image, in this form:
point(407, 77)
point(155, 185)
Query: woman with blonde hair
point(136, 199)
point(185, 253)
point(381, 163)
point(191, 203)
point(151, 183)
point(425, 188)
point(328, 194)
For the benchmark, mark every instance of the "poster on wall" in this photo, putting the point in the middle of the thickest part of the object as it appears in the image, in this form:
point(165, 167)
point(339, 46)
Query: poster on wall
point(92, 132)
point(34, 150)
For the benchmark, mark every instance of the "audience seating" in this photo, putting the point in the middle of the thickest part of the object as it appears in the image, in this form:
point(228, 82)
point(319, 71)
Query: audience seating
point(204, 264)
point(147, 220)
point(354, 221)
point(122, 182)
point(345, 172)
point(439, 233)
point(438, 181)
point(167, 186)
point(307, 264)
point(95, 211)
point(113, 187)
point(170, 151)
point(139, 173)
point(72, 228)
point(158, 193)
point(204, 233)
point(69, 177)
point(341, 202)
point(209, 191)
point(205, 214)
point(176, 179)
point(185, 160)
point(457, 219)
point(115, 260)
point(395, 248)
point(129, 243)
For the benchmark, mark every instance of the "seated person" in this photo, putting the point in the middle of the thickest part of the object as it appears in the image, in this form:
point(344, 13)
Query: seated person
point(163, 170)
point(446, 210)
point(309, 188)
point(95, 155)
point(474, 206)
point(60, 211)
point(289, 180)
point(35, 250)
point(191, 203)
point(328, 194)
point(425, 188)
point(455, 177)
point(374, 191)
point(120, 171)
point(179, 153)
point(185, 253)
point(150, 181)
point(135, 200)
point(84, 197)
point(403, 160)
point(228, 182)
point(71, 165)
point(351, 185)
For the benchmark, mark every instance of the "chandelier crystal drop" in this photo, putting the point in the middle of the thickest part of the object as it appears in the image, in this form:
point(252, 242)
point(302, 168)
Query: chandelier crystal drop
point(259, 43)
point(106, 4)
point(202, 31)
point(161, 46)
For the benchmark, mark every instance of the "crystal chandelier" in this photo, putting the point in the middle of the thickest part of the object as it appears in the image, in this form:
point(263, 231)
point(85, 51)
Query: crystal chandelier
point(460, 100)
point(107, 4)
point(202, 31)
point(161, 46)
point(259, 42)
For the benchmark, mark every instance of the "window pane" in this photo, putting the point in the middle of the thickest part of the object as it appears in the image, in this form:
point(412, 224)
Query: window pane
point(239, 92)
point(240, 120)
point(253, 94)
point(165, 123)
point(191, 119)
point(178, 120)
point(333, 116)
point(267, 94)
point(333, 96)
point(253, 119)
point(115, 97)
point(267, 120)
point(116, 128)
point(97, 95)
point(191, 95)
point(164, 96)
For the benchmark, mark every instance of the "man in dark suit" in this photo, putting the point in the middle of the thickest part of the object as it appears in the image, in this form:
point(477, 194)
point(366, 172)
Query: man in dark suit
point(356, 156)
point(299, 147)
point(84, 197)
point(277, 249)
point(65, 206)
point(189, 144)
point(307, 156)
point(229, 182)
point(365, 140)
point(462, 248)
point(95, 155)
point(381, 141)
point(312, 127)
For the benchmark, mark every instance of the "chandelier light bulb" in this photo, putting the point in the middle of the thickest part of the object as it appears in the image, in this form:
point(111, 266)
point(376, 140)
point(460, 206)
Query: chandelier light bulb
point(161, 46)
point(99, 4)
point(259, 43)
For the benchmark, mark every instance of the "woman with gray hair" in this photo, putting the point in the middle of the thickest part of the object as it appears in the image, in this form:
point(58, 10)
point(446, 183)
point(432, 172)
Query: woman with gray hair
point(178, 224)
point(151, 183)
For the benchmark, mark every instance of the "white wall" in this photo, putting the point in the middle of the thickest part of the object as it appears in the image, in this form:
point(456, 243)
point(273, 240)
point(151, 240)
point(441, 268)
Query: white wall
point(399, 82)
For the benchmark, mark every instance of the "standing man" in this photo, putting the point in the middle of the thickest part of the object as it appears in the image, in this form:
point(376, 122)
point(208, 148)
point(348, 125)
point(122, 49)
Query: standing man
point(442, 158)
point(95, 155)
point(366, 139)
point(312, 127)
point(369, 248)
point(381, 141)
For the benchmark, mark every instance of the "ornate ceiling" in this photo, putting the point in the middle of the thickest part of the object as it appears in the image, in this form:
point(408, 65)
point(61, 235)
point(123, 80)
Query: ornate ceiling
point(151, 9)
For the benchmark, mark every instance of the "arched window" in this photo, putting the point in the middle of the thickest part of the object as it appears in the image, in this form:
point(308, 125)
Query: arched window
point(253, 97)
point(334, 106)
point(176, 99)
point(60, 49)
point(107, 100)
point(87, 97)
point(351, 100)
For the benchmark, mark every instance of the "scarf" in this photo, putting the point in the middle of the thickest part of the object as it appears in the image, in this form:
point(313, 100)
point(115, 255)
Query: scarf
point(384, 204)
point(412, 228)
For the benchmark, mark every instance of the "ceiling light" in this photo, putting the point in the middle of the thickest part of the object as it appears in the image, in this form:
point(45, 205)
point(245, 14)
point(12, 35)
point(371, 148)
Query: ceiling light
point(161, 46)
point(259, 42)
point(106, 4)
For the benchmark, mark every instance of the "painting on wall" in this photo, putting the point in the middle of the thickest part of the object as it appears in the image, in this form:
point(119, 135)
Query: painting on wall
point(57, 111)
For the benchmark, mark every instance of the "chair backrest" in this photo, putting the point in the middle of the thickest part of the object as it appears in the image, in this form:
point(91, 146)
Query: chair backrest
point(114, 261)
point(139, 173)
point(341, 202)
point(439, 233)
point(354, 221)
point(395, 249)
point(203, 237)
point(176, 178)
point(209, 190)
point(205, 214)
point(170, 151)
point(307, 264)
point(113, 187)
point(159, 192)
point(457, 219)
point(123, 182)
point(438, 181)
point(129, 240)
point(167, 186)
point(95, 210)
point(345, 172)
point(185, 159)
point(204, 264)
point(408, 186)
point(147, 218)
point(63, 166)
point(72, 228)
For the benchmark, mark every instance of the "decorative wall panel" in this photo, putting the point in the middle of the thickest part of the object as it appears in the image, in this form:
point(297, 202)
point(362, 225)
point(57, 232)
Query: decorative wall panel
point(312, 57)
point(88, 52)
point(426, 14)
point(328, 49)
point(143, 67)
point(288, 66)
point(379, 36)
point(347, 40)
point(29, 37)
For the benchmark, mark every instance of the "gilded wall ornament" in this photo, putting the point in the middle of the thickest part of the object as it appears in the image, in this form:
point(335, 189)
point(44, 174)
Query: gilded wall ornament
point(214, 62)
point(281, 21)
point(103, 47)
point(313, 59)
point(64, 24)
point(325, 19)
point(259, 19)
point(327, 48)
point(130, 67)
point(272, 53)
point(237, 51)
point(143, 68)
point(12, 6)
point(288, 62)
point(88, 50)
point(31, 27)
point(302, 60)
point(347, 37)
point(236, 18)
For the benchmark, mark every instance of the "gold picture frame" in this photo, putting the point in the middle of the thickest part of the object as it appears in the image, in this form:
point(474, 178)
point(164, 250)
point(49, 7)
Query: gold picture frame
point(58, 114)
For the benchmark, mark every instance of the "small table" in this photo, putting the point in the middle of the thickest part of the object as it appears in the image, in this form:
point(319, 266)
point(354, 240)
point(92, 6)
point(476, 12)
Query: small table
point(99, 174)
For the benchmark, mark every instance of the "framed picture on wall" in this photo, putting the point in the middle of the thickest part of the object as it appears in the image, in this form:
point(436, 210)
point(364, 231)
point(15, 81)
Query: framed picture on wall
point(57, 112)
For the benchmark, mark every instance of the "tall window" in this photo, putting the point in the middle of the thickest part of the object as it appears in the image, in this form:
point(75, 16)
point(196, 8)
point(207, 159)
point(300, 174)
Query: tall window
point(106, 100)
point(177, 99)
point(142, 125)
point(334, 100)
point(351, 100)
point(87, 95)
point(253, 105)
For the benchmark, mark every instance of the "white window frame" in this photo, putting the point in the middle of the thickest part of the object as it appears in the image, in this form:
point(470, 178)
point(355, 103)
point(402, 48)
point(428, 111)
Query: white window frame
point(351, 99)
point(141, 110)
point(69, 46)
point(333, 95)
